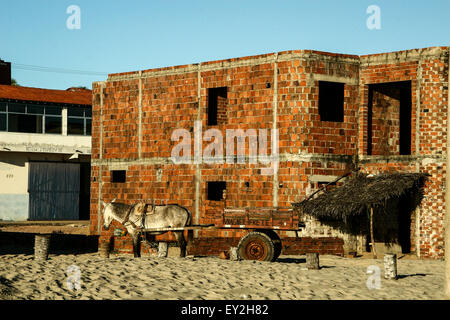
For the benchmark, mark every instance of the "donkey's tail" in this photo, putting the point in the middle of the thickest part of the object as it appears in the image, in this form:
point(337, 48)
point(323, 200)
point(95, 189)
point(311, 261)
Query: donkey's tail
point(189, 218)
point(190, 233)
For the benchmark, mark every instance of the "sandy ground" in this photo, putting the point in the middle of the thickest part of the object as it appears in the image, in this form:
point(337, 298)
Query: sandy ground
point(123, 277)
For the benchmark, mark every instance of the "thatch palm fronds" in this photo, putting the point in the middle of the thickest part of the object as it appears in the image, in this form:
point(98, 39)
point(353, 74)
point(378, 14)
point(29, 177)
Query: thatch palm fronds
point(360, 193)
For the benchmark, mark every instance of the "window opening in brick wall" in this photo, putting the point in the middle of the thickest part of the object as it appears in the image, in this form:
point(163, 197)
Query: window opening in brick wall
point(331, 101)
point(215, 190)
point(389, 118)
point(217, 105)
point(118, 176)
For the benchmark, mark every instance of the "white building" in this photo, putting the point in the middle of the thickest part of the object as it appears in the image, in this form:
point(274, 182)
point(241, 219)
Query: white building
point(45, 148)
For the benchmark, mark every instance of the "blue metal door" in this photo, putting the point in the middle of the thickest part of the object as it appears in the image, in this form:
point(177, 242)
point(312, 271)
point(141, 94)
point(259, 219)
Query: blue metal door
point(54, 190)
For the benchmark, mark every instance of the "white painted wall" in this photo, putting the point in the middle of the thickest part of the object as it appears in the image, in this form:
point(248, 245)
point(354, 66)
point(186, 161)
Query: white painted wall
point(14, 197)
point(13, 186)
point(47, 143)
point(13, 173)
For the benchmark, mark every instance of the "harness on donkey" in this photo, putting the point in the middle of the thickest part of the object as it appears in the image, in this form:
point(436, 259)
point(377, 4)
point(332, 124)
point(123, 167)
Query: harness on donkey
point(142, 224)
point(144, 214)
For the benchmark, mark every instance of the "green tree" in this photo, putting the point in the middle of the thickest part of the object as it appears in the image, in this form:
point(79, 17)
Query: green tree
point(14, 82)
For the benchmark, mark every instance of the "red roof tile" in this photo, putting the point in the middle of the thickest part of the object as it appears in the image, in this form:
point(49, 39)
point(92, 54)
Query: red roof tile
point(82, 96)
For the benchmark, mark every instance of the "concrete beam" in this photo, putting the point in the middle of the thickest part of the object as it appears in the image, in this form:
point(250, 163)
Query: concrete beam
point(333, 78)
point(274, 127)
point(198, 172)
point(447, 191)
point(423, 159)
point(322, 178)
point(140, 116)
point(235, 63)
point(366, 60)
point(403, 56)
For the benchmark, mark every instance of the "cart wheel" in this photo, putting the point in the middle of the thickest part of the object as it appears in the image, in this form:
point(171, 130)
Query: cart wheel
point(276, 243)
point(256, 246)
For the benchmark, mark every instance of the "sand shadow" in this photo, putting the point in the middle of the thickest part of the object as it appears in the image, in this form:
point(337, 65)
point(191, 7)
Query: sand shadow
point(23, 243)
point(16, 243)
point(298, 261)
point(7, 290)
point(291, 260)
point(402, 276)
point(5, 282)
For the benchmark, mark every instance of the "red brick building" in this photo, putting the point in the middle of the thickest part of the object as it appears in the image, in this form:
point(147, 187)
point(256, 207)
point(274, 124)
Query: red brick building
point(333, 112)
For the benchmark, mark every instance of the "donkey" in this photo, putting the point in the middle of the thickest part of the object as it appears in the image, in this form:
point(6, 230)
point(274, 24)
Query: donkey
point(138, 216)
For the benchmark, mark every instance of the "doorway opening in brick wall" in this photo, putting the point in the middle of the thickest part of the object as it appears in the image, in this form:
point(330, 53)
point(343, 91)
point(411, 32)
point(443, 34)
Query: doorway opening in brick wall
point(215, 190)
point(394, 224)
point(217, 105)
point(389, 118)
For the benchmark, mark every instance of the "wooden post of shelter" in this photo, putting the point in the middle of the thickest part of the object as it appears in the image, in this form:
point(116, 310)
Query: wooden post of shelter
point(372, 239)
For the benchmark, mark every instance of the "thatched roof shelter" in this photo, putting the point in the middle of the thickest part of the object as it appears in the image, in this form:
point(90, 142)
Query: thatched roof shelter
point(361, 192)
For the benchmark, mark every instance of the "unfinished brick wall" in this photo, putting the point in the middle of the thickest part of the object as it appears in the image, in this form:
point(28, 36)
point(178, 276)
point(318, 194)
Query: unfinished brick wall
point(298, 114)
point(385, 123)
point(432, 142)
point(135, 114)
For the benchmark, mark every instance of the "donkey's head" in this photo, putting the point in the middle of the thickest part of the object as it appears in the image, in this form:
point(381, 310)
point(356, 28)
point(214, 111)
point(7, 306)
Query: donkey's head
point(108, 214)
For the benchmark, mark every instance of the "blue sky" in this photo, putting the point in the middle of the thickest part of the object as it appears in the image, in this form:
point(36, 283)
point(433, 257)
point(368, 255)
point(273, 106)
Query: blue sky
point(120, 36)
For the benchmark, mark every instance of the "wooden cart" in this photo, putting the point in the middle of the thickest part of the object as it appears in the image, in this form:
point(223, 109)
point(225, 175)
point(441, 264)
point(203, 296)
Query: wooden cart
point(261, 242)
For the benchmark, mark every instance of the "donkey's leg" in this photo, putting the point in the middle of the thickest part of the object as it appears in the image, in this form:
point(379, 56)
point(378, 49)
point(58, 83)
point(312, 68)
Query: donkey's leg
point(136, 245)
point(181, 242)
